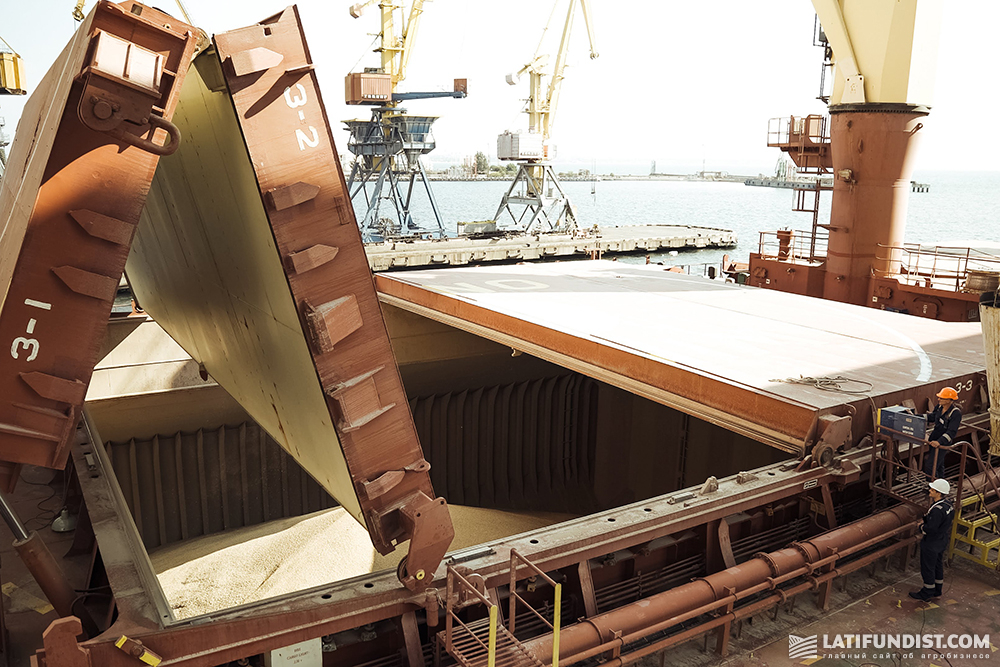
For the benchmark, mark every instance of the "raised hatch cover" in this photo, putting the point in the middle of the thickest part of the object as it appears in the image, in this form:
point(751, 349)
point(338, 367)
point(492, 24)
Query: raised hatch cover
point(249, 256)
point(83, 156)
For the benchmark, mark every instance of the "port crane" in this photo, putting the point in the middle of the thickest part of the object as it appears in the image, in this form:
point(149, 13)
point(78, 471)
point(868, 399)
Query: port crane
point(535, 200)
point(11, 83)
point(388, 146)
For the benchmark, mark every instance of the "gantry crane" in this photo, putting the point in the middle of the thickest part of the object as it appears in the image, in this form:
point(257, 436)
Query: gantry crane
point(389, 145)
point(535, 199)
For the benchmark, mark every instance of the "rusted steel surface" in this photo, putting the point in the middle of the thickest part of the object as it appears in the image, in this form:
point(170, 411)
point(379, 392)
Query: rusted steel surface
point(717, 351)
point(255, 628)
point(84, 155)
point(873, 156)
point(718, 591)
point(250, 258)
point(773, 273)
point(930, 302)
point(47, 573)
point(818, 560)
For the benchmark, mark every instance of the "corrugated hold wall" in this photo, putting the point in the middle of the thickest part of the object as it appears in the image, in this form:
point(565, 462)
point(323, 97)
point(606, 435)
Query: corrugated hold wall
point(527, 445)
point(192, 484)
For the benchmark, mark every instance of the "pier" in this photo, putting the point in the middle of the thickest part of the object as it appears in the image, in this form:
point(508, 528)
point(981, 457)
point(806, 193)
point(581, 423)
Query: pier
point(608, 241)
point(787, 184)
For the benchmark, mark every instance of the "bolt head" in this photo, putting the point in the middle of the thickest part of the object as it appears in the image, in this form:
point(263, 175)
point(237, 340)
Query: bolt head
point(103, 110)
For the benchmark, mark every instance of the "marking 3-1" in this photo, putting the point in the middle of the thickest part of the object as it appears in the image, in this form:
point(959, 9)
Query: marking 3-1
point(30, 345)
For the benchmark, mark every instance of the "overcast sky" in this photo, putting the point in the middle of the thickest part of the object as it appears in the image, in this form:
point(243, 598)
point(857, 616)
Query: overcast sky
point(676, 82)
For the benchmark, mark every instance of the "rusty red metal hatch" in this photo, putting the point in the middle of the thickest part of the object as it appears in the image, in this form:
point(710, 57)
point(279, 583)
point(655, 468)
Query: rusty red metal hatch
point(249, 256)
point(76, 182)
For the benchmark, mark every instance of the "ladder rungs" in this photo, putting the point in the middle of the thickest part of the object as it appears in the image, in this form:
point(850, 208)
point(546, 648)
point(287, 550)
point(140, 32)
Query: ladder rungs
point(992, 544)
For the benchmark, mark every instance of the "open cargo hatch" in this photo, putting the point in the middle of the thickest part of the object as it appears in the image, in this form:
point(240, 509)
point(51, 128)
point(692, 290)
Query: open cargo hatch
point(249, 256)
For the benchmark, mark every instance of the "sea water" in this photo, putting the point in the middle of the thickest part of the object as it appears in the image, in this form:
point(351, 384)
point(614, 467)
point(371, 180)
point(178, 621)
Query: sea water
point(959, 207)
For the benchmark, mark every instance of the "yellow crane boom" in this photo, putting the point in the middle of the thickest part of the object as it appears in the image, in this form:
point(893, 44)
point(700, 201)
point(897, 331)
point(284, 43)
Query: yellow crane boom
point(394, 48)
point(542, 104)
point(555, 83)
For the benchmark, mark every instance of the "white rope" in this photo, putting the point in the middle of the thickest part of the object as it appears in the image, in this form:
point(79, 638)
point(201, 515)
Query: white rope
point(829, 383)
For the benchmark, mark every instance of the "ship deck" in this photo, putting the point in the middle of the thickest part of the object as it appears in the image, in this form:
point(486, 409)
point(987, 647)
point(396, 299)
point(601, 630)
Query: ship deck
point(718, 351)
point(881, 607)
point(871, 601)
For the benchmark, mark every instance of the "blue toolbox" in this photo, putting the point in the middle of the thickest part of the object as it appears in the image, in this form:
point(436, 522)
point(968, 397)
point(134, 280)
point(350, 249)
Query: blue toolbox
point(903, 423)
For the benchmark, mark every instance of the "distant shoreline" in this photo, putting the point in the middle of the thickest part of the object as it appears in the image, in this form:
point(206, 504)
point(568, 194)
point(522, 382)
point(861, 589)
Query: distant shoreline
point(729, 178)
point(721, 178)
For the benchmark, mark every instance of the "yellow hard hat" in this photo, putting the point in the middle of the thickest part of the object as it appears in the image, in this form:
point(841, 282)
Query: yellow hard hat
point(948, 393)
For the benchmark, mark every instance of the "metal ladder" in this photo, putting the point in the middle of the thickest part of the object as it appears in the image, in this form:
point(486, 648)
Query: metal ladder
point(487, 642)
point(976, 522)
point(976, 525)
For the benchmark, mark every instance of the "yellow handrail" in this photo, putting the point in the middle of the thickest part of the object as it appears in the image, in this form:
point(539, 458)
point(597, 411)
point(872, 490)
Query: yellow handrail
point(492, 650)
point(556, 613)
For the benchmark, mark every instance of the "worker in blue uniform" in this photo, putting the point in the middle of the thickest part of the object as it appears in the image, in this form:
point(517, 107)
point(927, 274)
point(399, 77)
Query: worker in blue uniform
point(936, 532)
point(944, 421)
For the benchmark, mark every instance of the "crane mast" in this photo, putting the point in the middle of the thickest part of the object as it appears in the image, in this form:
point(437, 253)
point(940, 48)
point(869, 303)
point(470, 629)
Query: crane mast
point(389, 145)
point(535, 198)
point(395, 49)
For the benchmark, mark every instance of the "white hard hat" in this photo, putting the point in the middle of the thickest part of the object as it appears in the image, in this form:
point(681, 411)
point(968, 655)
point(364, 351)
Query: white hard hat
point(941, 486)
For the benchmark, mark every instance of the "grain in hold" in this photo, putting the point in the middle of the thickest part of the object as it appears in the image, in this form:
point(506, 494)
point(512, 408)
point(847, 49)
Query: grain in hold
point(241, 566)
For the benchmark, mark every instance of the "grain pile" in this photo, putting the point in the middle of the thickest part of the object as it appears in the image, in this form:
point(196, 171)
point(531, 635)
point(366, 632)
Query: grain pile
point(237, 567)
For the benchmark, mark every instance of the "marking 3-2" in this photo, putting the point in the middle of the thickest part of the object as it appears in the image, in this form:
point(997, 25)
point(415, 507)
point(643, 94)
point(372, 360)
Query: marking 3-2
point(293, 102)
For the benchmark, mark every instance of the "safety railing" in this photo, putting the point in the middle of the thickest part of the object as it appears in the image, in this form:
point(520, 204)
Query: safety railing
point(905, 481)
point(973, 512)
point(515, 559)
point(990, 474)
point(487, 642)
point(805, 139)
point(794, 245)
point(941, 267)
point(891, 475)
point(798, 131)
point(712, 270)
point(458, 587)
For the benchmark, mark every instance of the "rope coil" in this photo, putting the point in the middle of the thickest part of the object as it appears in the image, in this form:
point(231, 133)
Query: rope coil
point(827, 383)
